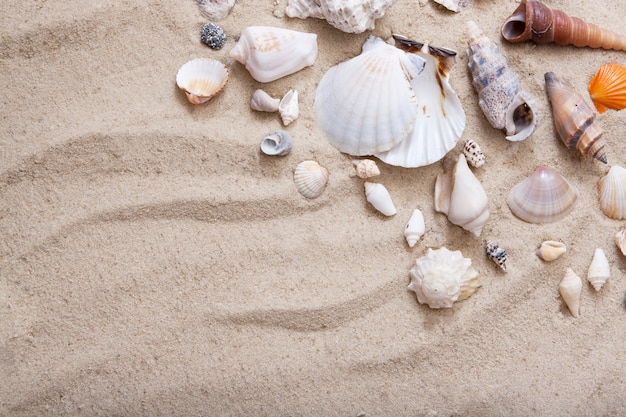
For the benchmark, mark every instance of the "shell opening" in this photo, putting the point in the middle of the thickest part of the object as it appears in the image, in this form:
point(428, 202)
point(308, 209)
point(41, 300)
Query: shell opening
point(514, 28)
point(521, 119)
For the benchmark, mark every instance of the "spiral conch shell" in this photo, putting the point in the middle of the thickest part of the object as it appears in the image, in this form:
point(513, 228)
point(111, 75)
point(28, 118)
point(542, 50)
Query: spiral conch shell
point(496, 253)
point(612, 193)
point(378, 196)
point(215, 9)
point(288, 107)
point(599, 270)
point(442, 277)
point(574, 119)
point(414, 228)
point(535, 21)
point(500, 94)
point(460, 196)
point(570, 289)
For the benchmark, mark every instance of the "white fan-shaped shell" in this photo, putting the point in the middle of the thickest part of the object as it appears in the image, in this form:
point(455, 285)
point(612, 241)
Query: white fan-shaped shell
point(599, 270)
point(310, 178)
point(261, 101)
point(201, 79)
point(570, 289)
point(612, 193)
point(378, 196)
point(366, 168)
point(551, 250)
point(289, 108)
point(270, 53)
point(415, 228)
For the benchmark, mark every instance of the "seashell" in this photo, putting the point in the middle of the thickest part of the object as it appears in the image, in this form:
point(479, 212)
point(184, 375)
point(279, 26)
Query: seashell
point(288, 107)
point(620, 240)
point(351, 16)
point(570, 289)
point(454, 5)
point(415, 228)
point(460, 196)
point(500, 95)
point(574, 119)
point(213, 36)
point(215, 9)
point(201, 79)
point(544, 197)
point(599, 270)
point(535, 21)
point(378, 196)
point(276, 143)
point(270, 53)
point(612, 193)
point(261, 101)
point(608, 88)
point(551, 250)
point(442, 277)
point(474, 155)
point(496, 254)
point(310, 178)
point(366, 168)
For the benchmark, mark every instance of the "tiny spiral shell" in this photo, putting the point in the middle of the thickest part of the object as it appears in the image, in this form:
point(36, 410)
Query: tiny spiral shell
point(366, 168)
point(496, 253)
point(570, 289)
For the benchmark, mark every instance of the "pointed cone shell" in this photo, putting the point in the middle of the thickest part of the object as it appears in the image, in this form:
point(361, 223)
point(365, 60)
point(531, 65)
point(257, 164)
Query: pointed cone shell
point(612, 193)
point(261, 101)
point(366, 168)
point(599, 270)
point(574, 119)
point(608, 88)
point(415, 228)
point(276, 143)
point(460, 196)
point(551, 250)
point(201, 79)
point(535, 21)
point(378, 196)
point(620, 241)
point(289, 108)
point(570, 289)
point(544, 197)
point(270, 53)
point(310, 178)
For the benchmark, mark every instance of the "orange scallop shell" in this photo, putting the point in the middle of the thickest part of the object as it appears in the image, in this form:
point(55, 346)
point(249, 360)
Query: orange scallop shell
point(608, 88)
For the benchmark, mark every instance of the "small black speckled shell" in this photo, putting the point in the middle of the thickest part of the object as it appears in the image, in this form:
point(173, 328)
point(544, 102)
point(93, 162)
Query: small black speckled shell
point(496, 254)
point(213, 36)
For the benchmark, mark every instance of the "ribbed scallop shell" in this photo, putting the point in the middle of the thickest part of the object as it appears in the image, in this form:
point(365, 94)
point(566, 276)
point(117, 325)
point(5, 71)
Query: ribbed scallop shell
point(612, 193)
point(544, 197)
point(201, 79)
point(608, 88)
point(310, 178)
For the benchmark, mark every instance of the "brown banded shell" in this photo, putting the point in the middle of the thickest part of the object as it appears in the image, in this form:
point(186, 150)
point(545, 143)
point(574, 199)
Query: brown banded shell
point(544, 197)
point(612, 193)
point(574, 119)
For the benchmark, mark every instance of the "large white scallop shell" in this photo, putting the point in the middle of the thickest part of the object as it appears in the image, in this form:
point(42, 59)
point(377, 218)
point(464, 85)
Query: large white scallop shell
point(201, 79)
point(310, 178)
point(378, 196)
point(570, 289)
point(442, 277)
point(414, 228)
point(270, 53)
point(599, 270)
point(544, 197)
point(612, 193)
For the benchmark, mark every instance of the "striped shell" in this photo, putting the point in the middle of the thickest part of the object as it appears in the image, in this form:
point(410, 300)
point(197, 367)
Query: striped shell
point(310, 178)
point(608, 88)
point(612, 193)
point(201, 79)
point(366, 168)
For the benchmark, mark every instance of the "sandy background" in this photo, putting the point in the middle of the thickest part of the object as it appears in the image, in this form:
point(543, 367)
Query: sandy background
point(153, 262)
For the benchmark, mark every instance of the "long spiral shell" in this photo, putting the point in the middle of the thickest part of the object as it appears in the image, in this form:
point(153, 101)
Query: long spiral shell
point(535, 21)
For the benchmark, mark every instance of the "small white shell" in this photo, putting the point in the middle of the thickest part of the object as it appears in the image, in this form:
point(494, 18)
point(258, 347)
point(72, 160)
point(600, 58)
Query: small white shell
point(276, 143)
point(620, 241)
point(474, 155)
point(442, 277)
point(570, 289)
point(366, 168)
point(201, 79)
point(270, 53)
point(496, 254)
point(415, 228)
point(215, 9)
point(599, 270)
point(261, 101)
point(551, 250)
point(378, 196)
point(288, 107)
point(612, 193)
point(310, 178)
point(454, 5)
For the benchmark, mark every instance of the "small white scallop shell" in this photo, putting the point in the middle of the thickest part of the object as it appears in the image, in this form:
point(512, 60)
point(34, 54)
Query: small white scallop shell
point(366, 168)
point(570, 289)
point(201, 79)
point(378, 196)
point(288, 107)
point(474, 155)
point(620, 241)
point(261, 101)
point(415, 228)
point(599, 270)
point(276, 143)
point(496, 253)
point(270, 53)
point(215, 9)
point(612, 193)
point(543, 197)
point(310, 178)
point(442, 277)
point(551, 250)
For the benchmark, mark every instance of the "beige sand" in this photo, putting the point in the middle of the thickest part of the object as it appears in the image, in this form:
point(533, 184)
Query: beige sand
point(152, 262)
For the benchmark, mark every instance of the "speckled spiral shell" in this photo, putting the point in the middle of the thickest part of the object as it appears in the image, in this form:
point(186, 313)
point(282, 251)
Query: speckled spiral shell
point(496, 253)
point(500, 94)
point(310, 178)
point(574, 119)
point(612, 193)
point(607, 88)
point(570, 289)
point(474, 155)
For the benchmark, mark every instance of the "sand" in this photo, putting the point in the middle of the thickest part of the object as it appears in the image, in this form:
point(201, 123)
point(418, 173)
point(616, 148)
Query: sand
point(154, 263)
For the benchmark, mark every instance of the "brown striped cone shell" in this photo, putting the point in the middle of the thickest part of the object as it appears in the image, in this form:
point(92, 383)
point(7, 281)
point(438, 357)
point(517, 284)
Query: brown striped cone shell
point(535, 21)
point(612, 193)
point(574, 119)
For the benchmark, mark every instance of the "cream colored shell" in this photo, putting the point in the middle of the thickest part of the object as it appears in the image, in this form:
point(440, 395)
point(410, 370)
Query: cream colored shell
point(599, 270)
point(262, 101)
point(310, 178)
point(612, 193)
point(378, 196)
point(570, 289)
point(474, 155)
point(366, 168)
point(201, 79)
point(551, 250)
point(288, 107)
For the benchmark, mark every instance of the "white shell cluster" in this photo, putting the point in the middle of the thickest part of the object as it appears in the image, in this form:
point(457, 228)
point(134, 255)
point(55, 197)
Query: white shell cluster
point(310, 178)
point(201, 79)
point(277, 143)
point(442, 277)
point(378, 196)
point(415, 228)
point(612, 193)
point(570, 288)
point(551, 250)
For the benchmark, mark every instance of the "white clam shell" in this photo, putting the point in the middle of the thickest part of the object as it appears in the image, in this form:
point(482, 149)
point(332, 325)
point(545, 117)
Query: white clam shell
point(289, 108)
point(310, 178)
point(551, 250)
point(570, 289)
point(378, 196)
point(474, 155)
point(366, 168)
point(460, 196)
point(270, 53)
point(201, 79)
point(599, 270)
point(612, 193)
point(442, 277)
point(215, 9)
point(415, 228)
point(261, 101)
point(276, 143)
point(544, 197)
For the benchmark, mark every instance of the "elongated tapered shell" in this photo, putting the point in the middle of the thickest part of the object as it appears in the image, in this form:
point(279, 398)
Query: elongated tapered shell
point(310, 178)
point(288, 107)
point(570, 289)
point(599, 270)
point(612, 193)
point(551, 250)
point(535, 21)
point(414, 228)
point(608, 88)
point(201, 79)
point(574, 119)
point(378, 196)
point(543, 197)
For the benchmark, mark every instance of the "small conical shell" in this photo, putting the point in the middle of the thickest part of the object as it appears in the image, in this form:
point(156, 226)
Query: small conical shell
point(289, 108)
point(608, 88)
point(570, 289)
point(261, 101)
point(310, 178)
point(201, 79)
point(415, 228)
point(277, 143)
point(620, 241)
point(612, 193)
point(496, 253)
point(378, 196)
point(474, 155)
point(366, 168)
point(599, 270)
point(551, 250)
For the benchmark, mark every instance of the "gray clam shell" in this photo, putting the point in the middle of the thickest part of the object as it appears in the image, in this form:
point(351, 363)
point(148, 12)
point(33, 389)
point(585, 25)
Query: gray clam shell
point(277, 143)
